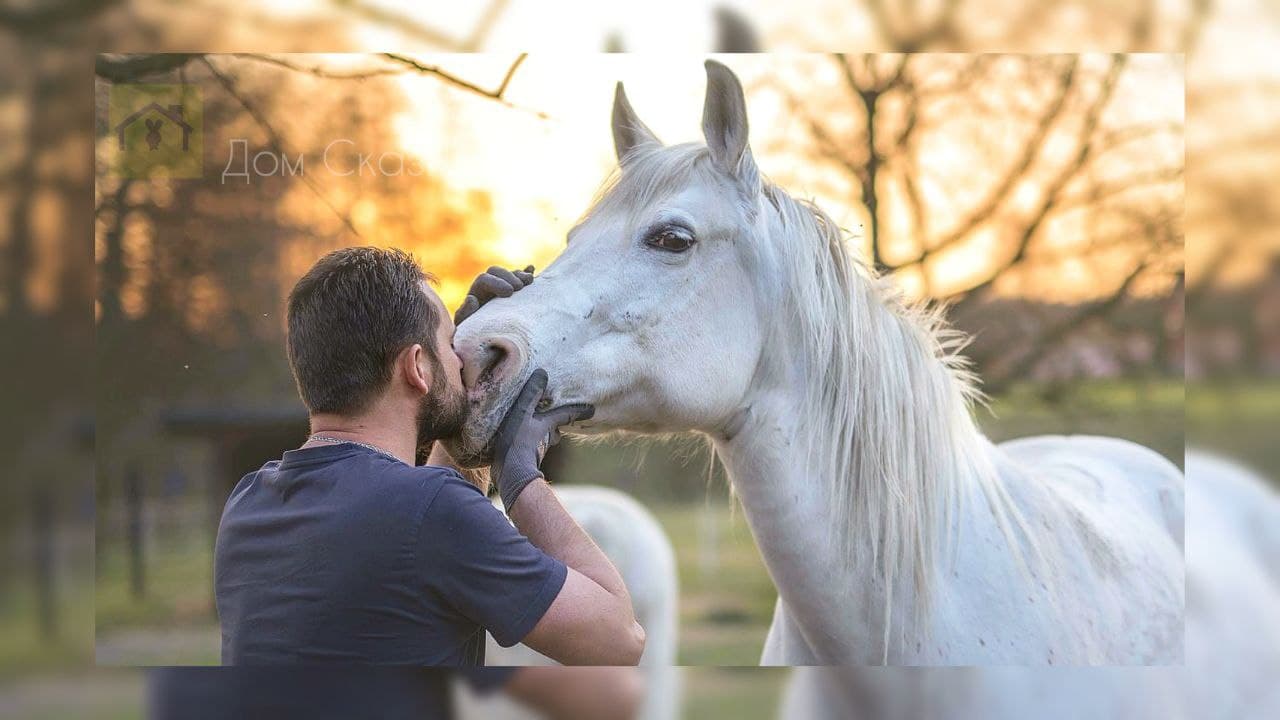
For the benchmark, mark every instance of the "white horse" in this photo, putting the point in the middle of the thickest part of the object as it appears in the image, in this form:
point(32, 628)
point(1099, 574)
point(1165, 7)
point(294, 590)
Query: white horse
point(1233, 639)
point(696, 296)
point(638, 547)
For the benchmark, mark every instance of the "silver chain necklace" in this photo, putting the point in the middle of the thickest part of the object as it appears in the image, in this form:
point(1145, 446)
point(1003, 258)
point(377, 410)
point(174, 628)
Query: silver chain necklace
point(338, 441)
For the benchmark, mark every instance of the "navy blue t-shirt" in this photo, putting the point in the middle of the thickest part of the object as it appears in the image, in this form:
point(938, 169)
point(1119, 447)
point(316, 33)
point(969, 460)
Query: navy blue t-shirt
point(341, 554)
point(312, 693)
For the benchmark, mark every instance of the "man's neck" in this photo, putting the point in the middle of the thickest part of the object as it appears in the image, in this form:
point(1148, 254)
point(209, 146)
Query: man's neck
point(397, 439)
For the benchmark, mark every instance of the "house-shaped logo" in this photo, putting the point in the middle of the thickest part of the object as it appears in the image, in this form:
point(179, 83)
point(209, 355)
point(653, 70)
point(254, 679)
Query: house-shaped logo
point(155, 131)
point(173, 114)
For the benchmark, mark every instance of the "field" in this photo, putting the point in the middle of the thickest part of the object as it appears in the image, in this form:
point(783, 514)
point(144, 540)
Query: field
point(726, 597)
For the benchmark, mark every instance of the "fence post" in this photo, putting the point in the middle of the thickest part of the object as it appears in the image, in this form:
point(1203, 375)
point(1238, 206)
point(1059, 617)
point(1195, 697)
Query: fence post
point(42, 560)
point(133, 510)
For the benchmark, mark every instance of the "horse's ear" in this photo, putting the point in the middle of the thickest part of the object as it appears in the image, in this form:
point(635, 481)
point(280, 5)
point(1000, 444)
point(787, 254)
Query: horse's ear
point(724, 124)
point(628, 130)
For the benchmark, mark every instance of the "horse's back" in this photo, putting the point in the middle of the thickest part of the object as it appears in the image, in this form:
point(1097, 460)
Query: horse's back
point(1103, 520)
point(983, 693)
point(1109, 472)
point(1237, 502)
point(1233, 589)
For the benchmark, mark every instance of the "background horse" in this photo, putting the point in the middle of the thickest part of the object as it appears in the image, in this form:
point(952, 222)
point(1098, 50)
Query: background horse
point(695, 296)
point(637, 546)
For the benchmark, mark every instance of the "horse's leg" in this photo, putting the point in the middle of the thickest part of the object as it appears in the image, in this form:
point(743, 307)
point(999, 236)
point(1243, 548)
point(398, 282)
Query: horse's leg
point(784, 645)
point(803, 697)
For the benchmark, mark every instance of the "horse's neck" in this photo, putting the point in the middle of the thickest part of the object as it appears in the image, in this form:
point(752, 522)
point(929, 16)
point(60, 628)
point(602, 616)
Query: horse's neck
point(836, 603)
point(836, 597)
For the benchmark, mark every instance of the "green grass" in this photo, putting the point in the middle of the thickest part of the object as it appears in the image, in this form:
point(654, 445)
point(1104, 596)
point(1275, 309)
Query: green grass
point(25, 650)
point(1148, 413)
point(179, 586)
point(106, 694)
point(1237, 419)
point(726, 597)
point(747, 693)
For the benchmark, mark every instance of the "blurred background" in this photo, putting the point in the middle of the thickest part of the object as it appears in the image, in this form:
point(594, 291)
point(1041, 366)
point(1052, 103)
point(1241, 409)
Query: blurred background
point(1041, 195)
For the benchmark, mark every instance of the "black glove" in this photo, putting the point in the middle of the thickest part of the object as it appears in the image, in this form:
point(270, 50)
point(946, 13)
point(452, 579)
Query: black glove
point(524, 436)
point(494, 282)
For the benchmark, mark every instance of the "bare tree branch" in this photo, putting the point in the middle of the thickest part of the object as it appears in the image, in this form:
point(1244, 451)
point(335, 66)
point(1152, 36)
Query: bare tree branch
point(40, 16)
point(1030, 150)
point(1053, 192)
point(868, 95)
point(914, 39)
point(423, 32)
point(129, 68)
point(403, 65)
point(481, 31)
point(1131, 133)
point(831, 148)
point(495, 94)
point(1058, 333)
point(1107, 190)
point(511, 72)
point(401, 22)
point(1194, 29)
point(320, 71)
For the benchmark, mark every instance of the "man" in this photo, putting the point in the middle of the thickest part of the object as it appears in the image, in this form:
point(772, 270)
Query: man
point(343, 551)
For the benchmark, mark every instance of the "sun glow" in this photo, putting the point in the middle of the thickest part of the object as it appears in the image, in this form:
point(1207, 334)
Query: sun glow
point(541, 152)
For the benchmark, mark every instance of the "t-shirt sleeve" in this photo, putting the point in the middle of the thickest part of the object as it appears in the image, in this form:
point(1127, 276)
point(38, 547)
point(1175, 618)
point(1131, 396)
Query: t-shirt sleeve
point(481, 565)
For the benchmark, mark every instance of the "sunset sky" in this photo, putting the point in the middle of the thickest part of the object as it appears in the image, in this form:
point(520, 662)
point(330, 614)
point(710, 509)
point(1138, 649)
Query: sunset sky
point(542, 157)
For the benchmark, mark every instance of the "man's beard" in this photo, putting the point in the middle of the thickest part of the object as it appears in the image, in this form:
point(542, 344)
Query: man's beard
point(442, 412)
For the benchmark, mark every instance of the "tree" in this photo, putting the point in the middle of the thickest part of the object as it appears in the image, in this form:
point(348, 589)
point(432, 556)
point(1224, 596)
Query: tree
point(1033, 151)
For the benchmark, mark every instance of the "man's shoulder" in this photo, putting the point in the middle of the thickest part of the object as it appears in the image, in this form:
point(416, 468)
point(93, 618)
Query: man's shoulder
point(397, 481)
point(450, 487)
point(456, 501)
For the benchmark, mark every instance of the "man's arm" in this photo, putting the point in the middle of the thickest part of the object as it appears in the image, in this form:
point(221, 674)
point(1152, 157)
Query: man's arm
point(597, 693)
point(591, 621)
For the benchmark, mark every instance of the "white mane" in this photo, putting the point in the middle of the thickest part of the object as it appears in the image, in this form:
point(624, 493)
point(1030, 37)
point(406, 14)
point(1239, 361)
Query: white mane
point(888, 403)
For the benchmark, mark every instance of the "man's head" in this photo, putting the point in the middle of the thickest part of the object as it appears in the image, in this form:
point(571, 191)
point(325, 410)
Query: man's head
point(365, 329)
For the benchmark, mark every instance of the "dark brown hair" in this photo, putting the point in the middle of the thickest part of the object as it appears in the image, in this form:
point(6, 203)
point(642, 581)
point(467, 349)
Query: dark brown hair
point(349, 317)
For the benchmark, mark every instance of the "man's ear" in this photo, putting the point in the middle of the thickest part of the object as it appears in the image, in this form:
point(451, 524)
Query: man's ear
point(415, 366)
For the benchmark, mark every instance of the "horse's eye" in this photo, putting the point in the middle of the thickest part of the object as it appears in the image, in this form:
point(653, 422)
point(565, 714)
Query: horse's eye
point(671, 239)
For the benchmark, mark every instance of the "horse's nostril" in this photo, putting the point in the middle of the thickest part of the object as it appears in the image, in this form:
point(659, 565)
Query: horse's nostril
point(487, 362)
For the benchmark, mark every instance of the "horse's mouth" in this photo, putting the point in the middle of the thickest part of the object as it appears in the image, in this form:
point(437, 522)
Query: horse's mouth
point(489, 401)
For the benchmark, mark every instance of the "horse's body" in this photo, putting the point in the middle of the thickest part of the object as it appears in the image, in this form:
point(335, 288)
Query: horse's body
point(637, 546)
point(1106, 517)
point(1232, 640)
point(695, 296)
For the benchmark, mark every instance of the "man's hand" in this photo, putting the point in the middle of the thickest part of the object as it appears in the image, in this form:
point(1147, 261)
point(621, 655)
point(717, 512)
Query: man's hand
point(494, 282)
point(524, 436)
